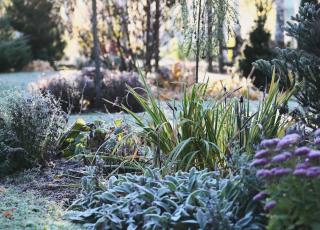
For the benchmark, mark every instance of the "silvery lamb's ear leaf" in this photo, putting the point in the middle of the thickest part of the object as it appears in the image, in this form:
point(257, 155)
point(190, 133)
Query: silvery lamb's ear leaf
point(154, 217)
point(242, 223)
point(162, 205)
point(190, 222)
point(192, 196)
point(122, 189)
point(192, 183)
point(148, 172)
point(201, 219)
point(101, 223)
point(151, 210)
point(170, 202)
point(89, 212)
point(108, 197)
point(115, 219)
point(152, 224)
point(148, 193)
point(111, 181)
point(88, 226)
point(163, 191)
point(172, 186)
point(204, 175)
point(176, 217)
point(74, 216)
point(132, 226)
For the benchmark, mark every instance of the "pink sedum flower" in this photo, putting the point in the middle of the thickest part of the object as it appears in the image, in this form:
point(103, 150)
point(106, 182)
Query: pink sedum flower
point(270, 205)
point(288, 140)
point(260, 196)
point(314, 154)
point(270, 143)
point(302, 151)
point(261, 154)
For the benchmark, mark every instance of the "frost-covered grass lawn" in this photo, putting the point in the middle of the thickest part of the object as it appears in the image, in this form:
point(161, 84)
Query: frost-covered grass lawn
point(21, 80)
point(26, 210)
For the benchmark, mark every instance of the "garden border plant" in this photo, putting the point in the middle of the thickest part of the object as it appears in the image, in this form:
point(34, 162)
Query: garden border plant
point(30, 126)
point(193, 200)
point(202, 132)
point(290, 170)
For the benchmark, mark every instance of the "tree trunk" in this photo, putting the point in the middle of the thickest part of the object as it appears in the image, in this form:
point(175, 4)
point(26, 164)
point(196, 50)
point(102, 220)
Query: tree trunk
point(157, 34)
point(96, 53)
point(210, 38)
point(279, 37)
point(221, 39)
point(148, 54)
point(198, 42)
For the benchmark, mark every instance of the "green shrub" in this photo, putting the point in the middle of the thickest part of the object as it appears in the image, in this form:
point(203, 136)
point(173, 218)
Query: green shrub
point(202, 132)
point(30, 125)
point(41, 23)
point(185, 200)
point(259, 48)
point(14, 54)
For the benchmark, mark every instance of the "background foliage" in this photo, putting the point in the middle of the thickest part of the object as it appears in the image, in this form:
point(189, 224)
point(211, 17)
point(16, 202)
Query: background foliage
point(39, 22)
point(301, 65)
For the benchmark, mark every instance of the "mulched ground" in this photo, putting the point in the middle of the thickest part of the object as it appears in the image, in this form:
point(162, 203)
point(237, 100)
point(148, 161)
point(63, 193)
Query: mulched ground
point(59, 182)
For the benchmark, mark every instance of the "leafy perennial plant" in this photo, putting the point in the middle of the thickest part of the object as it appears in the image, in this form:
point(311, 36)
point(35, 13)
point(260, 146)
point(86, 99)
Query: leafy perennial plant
point(185, 200)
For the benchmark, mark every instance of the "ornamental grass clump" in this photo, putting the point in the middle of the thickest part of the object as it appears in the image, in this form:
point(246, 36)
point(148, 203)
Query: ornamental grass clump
point(291, 172)
point(203, 131)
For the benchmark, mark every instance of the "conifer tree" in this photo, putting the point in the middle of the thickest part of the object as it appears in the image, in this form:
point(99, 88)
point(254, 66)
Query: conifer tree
point(308, 1)
point(258, 47)
point(302, 64)
point(39, 22)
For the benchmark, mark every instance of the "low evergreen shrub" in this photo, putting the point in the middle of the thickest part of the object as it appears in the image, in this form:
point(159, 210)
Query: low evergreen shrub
point(14, 54)
point(30, 126)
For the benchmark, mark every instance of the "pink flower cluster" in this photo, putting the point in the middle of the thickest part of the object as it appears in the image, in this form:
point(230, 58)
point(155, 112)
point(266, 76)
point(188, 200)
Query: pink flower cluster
point(282, 157)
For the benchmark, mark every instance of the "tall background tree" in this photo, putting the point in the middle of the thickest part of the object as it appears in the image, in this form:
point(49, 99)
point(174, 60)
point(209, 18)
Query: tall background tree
point(40, 23)
point(279, 36)
point(96, 53)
